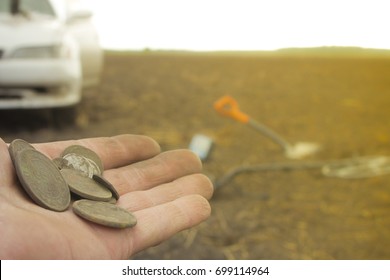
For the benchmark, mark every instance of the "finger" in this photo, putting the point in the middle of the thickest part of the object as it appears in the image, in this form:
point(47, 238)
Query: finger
point(114, 151)
point(161, 222)
point(187, 185)
point(163, 168)
point(7, 176)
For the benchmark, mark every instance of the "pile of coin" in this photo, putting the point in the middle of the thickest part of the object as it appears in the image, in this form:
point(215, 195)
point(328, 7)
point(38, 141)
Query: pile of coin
point(77, 175)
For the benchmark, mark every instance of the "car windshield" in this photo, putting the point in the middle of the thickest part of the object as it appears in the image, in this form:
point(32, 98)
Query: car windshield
point(37, 6)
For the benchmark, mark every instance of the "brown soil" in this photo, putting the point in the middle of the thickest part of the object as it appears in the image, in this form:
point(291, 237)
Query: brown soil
point(341, 103)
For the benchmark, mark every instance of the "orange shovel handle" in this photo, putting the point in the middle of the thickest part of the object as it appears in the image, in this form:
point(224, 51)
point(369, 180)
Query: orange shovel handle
point(228, 107)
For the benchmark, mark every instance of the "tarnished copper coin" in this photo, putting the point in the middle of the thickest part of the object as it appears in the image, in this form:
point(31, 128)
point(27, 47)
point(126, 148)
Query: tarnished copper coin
point(18, 145)
point(86, 153)
point(103, 181)
point(84, 186)
point(104, 213)
point(42, 180)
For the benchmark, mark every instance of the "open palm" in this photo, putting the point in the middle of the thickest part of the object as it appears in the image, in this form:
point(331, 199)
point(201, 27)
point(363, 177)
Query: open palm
point(165, 191)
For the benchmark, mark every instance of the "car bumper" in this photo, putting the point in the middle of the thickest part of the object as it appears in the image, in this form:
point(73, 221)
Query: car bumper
point(39, 84)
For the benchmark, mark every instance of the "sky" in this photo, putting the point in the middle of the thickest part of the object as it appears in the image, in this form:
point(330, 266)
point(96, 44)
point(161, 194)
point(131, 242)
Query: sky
point(208, 25)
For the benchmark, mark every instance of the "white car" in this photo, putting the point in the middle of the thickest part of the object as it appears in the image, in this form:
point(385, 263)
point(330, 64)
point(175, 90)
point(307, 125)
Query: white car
point(49, 51)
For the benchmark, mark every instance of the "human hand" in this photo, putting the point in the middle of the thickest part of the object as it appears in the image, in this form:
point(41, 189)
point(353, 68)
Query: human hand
point(165, 192)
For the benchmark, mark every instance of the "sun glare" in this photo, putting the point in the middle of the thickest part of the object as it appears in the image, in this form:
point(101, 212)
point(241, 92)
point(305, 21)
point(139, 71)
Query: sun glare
point(240, 24)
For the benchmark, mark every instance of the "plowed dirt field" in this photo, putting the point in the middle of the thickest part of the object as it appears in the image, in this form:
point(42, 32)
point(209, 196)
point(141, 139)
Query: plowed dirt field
point(341, 103)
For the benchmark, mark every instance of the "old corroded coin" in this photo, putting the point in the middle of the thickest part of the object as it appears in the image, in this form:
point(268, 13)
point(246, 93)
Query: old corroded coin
point(84, 186)
point(18, 145)
point(82, 164)
point(42, 180)
point(104, 213)
point(79, 157)
point(101, 180)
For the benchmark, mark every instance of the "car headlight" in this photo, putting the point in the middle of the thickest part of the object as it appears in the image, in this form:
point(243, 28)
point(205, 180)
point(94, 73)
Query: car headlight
point(55, 51)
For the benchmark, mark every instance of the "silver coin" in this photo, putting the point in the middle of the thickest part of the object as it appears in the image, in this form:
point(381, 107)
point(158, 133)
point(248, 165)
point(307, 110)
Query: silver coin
point(84, 186)
point(42, 180)
point(85, 153)
point(104, 213)
point(83, 164)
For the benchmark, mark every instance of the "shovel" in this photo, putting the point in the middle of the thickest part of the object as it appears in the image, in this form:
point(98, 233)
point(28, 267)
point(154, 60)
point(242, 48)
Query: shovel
point(228, 107)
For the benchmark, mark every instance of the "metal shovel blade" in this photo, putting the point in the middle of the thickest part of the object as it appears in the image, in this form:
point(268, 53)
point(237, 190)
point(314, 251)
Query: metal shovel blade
point(301, 150)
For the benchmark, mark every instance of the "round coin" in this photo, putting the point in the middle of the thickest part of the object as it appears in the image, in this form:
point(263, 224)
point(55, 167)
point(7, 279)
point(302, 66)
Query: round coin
point(104, 213)
point(42, 180)
point(18, 145)
point(84, 186)
point(103, 181)
point(85, 152)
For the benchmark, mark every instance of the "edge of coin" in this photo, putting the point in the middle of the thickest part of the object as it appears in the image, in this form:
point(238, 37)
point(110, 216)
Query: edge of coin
point(81, 211)
point(75, 179)
point(16, 146)
point(104, 182)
